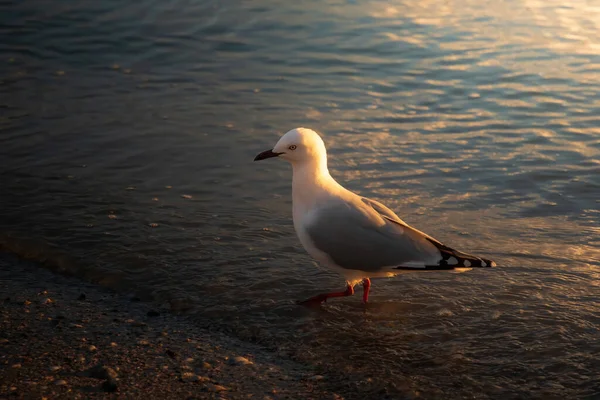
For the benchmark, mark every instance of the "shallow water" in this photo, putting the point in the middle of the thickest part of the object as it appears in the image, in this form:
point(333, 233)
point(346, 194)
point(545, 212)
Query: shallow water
point(128, 134)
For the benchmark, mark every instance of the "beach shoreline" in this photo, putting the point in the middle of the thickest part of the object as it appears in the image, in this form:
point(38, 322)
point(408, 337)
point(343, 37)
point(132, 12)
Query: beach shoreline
point(61, 337)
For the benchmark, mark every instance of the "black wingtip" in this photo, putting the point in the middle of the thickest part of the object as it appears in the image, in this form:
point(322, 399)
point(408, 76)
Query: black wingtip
point(457, 259)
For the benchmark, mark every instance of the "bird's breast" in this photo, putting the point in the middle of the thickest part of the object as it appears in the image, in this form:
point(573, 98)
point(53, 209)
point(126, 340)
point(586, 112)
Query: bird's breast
point(302, 219)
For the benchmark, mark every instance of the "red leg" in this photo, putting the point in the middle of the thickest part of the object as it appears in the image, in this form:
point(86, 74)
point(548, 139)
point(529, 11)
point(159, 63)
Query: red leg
point(366, 288)
point(321, 298)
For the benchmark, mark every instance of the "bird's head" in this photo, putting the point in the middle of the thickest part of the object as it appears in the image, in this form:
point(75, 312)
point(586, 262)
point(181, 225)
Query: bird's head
point(297, 146)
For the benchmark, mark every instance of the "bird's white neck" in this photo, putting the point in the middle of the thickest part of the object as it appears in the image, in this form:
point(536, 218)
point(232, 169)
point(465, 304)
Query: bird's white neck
point(311, 182)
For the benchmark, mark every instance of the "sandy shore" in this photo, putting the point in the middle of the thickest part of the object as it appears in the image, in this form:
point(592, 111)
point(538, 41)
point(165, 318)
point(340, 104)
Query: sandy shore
point(61, 338)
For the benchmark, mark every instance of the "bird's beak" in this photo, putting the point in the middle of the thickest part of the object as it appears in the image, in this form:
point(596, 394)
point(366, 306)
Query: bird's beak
point(266, 154)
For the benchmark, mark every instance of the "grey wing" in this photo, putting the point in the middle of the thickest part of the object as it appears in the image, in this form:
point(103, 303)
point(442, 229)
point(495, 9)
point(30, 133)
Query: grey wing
point(449, 258)
point(357, 236)
point(389, 214)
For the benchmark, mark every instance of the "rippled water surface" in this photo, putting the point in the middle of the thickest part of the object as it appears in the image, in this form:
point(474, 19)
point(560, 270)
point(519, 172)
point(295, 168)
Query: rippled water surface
point(128, 130)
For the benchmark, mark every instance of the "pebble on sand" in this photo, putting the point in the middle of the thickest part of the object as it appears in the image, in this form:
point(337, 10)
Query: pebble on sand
point(239, 360)
point(171, 353)
point(110, 385)
point(206, 365)
point(100, 371)
point(215, 388)
point(60, 382)
point(189, 377)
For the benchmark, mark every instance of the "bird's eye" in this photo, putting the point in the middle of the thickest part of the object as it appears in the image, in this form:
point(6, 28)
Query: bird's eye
point(292, 147)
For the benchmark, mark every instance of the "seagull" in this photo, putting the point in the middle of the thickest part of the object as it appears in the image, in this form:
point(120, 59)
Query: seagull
point(358, 237)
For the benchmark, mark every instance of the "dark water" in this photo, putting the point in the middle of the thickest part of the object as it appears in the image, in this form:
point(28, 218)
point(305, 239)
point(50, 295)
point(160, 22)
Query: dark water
point(477, 121)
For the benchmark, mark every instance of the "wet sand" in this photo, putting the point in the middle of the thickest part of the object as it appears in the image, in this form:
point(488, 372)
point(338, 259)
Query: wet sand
point(63, 338)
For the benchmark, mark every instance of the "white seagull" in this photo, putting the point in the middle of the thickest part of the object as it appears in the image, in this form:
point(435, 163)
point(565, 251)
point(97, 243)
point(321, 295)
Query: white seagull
point(359, 237)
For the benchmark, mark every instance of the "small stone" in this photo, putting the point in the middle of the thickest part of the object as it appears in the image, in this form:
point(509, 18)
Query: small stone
point(3, 341)
point(153, 313)
point(186, 196)
point(54, 368)
point(239, 360)
point(153, 225)
point(188, 360)
point(100, 371)
point(317, 378)
point(92, 348)
point(47, 300)
point(144, 342)
point(79, 326)
point(26, 303)
point(60, 382)
point(110, 385)
point(171, 353)
point(206, 365)
point(155, 199)
point(113, 344)
point(16, 366)
point(112, 216)
point(215, 388)
point(189, 377)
